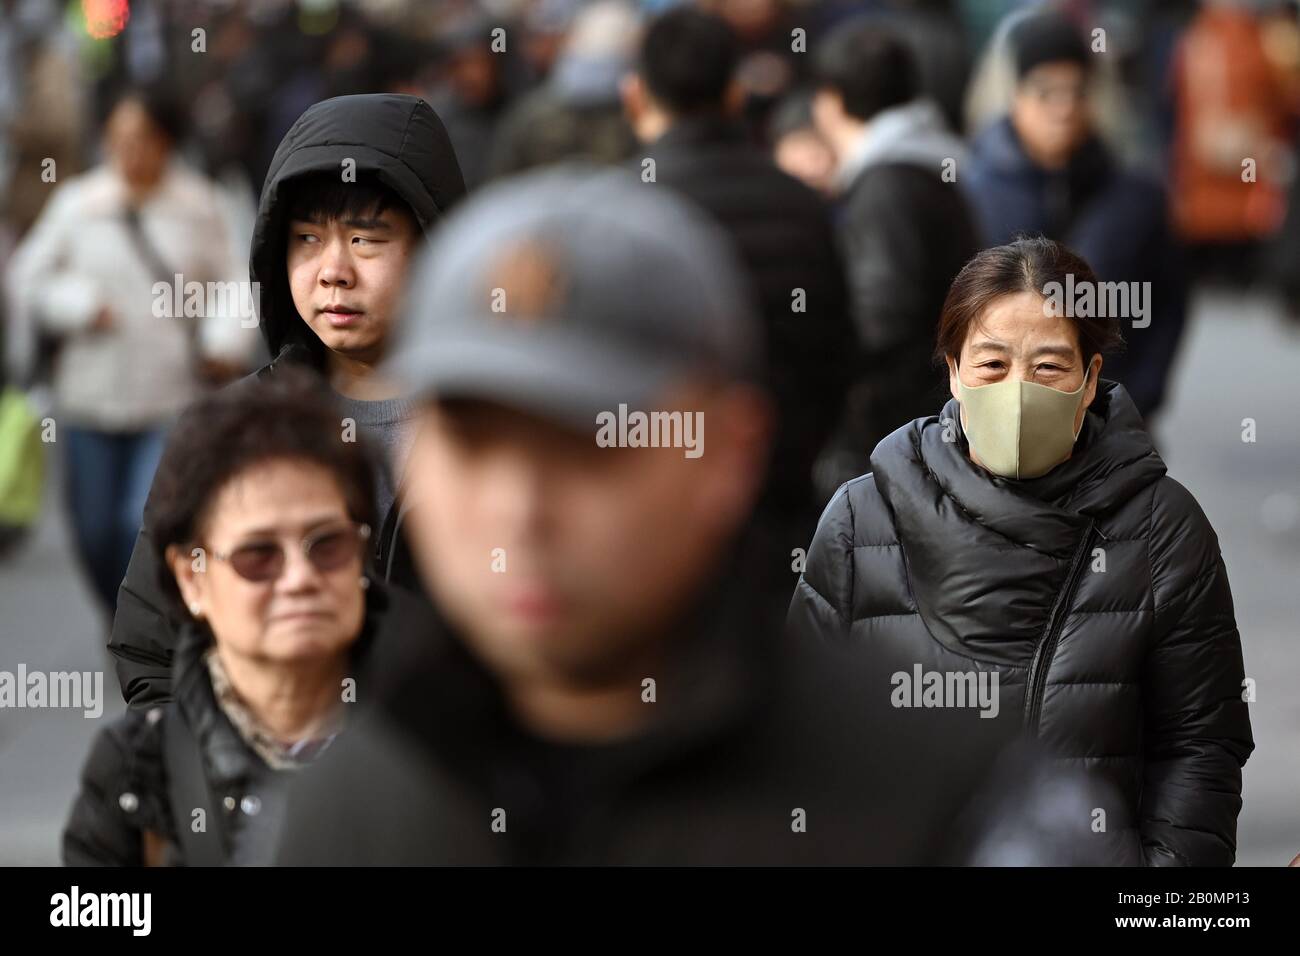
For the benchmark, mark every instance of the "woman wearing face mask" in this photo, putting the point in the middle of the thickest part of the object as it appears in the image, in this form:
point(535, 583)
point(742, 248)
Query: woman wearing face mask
point(260, 517)
point(1028, 538)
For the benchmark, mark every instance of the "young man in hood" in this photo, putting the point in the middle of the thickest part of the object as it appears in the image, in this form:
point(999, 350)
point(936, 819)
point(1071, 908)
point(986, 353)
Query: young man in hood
point(352, 189)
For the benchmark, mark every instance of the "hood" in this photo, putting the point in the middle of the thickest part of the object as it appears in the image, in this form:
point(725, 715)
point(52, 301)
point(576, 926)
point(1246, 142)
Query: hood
point(397, 138)
point(914, 133)
point(987, 555)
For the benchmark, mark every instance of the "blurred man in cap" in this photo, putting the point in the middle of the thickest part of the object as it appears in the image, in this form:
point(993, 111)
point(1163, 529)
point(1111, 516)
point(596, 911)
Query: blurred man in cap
point(605, 681)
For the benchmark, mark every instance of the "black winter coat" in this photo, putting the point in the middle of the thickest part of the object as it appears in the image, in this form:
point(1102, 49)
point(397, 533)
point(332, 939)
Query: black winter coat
point(783, 233)
point(904, 235)
point(1097, 592)
point(150, 769)
point(399, 140)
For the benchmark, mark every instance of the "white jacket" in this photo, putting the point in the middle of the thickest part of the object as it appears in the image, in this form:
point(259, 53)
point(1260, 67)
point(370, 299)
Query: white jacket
point(79, 257)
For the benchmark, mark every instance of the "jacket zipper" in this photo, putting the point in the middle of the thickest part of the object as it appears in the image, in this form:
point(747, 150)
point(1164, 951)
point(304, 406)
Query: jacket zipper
point(1042, 660)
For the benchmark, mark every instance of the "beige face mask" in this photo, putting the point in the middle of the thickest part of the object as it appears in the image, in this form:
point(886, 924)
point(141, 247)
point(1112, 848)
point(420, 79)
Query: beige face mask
point(1020, 429)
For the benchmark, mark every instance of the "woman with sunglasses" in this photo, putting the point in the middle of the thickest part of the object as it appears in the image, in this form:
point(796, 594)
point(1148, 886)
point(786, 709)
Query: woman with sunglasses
point(262, 514)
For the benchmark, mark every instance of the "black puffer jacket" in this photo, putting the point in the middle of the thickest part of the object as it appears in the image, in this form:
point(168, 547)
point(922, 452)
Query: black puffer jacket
point(1097, 592)
point(149, 770)
point(399, 140)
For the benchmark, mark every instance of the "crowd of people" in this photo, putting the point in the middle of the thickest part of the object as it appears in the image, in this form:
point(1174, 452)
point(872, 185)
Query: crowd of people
point(917, 588)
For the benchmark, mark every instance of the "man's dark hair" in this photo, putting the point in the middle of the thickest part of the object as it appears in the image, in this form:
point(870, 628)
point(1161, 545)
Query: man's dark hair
point(687, 59)
point(1029, 264)
point(286, 416)
point(868, 66)
point(322, 197)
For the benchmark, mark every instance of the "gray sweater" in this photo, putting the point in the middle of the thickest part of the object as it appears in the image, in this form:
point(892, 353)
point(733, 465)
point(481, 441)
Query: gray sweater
point(389, 426)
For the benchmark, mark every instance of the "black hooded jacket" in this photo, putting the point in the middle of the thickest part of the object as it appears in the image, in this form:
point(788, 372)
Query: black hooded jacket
point(399, 140)
point(1097, 592)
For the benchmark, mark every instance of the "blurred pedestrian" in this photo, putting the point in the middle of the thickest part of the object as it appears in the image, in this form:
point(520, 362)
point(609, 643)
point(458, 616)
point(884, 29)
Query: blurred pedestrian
point(472, 95)
point(354, 186)
point(1030, 531)
point(1235, 111)
point(575, 113)
point(1043, 170)
point(798, 149)
point(127, 360)
point(681, 102)
point(260, 521)
point(904, 227)
point(605, 681)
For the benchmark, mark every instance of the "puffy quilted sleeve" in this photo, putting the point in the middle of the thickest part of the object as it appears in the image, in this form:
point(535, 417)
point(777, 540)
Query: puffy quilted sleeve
point(823, 597)
point(1197, 724)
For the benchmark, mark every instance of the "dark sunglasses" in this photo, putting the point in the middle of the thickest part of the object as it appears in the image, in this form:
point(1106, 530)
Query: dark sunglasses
point(327, 550)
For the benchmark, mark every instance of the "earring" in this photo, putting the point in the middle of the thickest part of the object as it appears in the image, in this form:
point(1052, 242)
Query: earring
point(364, 582)
point(196, 609)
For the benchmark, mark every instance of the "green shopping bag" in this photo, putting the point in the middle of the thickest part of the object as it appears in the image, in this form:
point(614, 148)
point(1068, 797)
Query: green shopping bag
point(22, 461)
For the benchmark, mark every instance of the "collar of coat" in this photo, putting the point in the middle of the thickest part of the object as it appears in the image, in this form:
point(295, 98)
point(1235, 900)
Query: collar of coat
point(1000, 146)
point(706, 129)
point(987, 555)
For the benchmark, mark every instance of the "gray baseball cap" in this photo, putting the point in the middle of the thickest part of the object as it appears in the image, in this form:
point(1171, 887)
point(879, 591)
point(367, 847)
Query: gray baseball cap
point(570, 291)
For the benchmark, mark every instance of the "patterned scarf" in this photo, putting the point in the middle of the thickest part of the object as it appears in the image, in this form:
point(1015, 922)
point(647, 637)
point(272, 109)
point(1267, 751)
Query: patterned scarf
point(277, 754)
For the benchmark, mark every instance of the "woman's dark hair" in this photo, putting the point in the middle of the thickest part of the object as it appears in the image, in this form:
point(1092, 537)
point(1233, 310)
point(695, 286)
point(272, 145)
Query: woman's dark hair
point(1025, 265)
point(289, 415)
